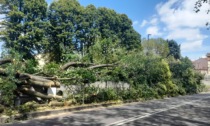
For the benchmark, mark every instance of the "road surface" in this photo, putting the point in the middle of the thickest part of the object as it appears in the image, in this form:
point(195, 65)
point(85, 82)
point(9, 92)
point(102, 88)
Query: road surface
point(192, 110)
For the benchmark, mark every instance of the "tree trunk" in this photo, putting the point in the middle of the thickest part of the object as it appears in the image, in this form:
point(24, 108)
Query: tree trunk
point(4, 61)
point(46, 84)
point(37, 94)
point(101, 65)
point(74, 64)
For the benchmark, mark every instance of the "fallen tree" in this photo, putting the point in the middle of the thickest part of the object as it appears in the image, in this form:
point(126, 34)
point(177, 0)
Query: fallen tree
point(101, 66)
point(75, 64)
point(4, 61)
point(39, 83)
point(38, 94)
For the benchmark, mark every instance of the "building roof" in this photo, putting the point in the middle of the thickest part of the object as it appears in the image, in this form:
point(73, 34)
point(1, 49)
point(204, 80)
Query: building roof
point(201, 64)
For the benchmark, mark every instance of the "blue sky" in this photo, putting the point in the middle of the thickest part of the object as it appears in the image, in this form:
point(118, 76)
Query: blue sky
point(169, 19)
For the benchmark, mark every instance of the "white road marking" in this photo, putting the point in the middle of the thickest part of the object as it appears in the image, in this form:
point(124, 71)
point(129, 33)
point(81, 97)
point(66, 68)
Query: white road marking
point(121, 122)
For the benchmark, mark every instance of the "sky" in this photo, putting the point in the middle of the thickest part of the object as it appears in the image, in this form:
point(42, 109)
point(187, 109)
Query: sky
point(168, 19)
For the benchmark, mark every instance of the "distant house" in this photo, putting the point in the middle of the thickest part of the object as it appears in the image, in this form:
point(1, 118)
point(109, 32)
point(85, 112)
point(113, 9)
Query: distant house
point(208, 57)
point(203, 65)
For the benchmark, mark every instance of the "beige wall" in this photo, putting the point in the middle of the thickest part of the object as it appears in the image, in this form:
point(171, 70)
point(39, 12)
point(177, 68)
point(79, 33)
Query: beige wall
point(208, 67)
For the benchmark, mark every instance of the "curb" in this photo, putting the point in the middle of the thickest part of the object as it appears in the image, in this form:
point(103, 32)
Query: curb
point(72, 109)
point(32, 115)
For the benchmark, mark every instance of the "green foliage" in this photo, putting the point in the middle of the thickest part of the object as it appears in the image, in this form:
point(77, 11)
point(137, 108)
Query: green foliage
point(64, 17)
point(70, 57)
point(113, 25)
point(174, 49)
point(157, 47)
point(148, 92)
point(105, 51)
point(8, 84)
point(68, 31)
point(141, 69)
point(1, 109)
point(24, 26)
point(185, 77)
point(51, 69)
point(6, 88)
point(31, 66)
point(131, 93)
point(86, 75)
point(107, 94)
point(27, 107)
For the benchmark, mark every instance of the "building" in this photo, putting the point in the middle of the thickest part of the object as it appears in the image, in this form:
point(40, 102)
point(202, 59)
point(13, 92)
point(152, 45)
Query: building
point(208, 58)
point(203, 65)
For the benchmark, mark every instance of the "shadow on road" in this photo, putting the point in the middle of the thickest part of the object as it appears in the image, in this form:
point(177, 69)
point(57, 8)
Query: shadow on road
point(195, 113)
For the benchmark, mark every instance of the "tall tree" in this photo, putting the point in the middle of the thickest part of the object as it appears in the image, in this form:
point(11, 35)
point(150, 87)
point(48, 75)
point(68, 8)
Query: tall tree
point(156, 46)
point(24, 25)
point(63, 16)
point(118, 26)
point(12, 27)
point(174, 49)
point(87, 31)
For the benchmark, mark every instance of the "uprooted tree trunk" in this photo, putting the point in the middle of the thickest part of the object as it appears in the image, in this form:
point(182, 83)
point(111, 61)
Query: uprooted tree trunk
point(41, 83)
point(38, 94)
point(28, 81)
point(38, 80)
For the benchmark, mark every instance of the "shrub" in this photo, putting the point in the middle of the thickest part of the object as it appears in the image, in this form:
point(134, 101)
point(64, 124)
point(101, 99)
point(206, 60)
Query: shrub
point(107, 94)
point(51, 69)
point(31, 66)
point(1, 109)
point(27, 107)
point(185, 77)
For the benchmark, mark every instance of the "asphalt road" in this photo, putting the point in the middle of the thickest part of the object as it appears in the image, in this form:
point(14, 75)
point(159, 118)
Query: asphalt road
point(191, 110)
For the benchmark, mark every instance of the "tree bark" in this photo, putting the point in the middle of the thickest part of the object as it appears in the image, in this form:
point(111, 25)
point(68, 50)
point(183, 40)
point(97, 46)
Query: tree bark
point(101, 65)
point(44, 83)
point(37, 94)
point(4, 61)
point(38, 80)
point(74, 64)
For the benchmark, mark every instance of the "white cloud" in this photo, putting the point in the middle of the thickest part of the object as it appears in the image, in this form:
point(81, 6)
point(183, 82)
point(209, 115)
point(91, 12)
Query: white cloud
point(181, 22)
point(154, 21)
point(204, 56)
point(180, 13)
point(191, 46)
point(153, 30)
point(135, 23)
point(188, 34)
point(144, 22)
